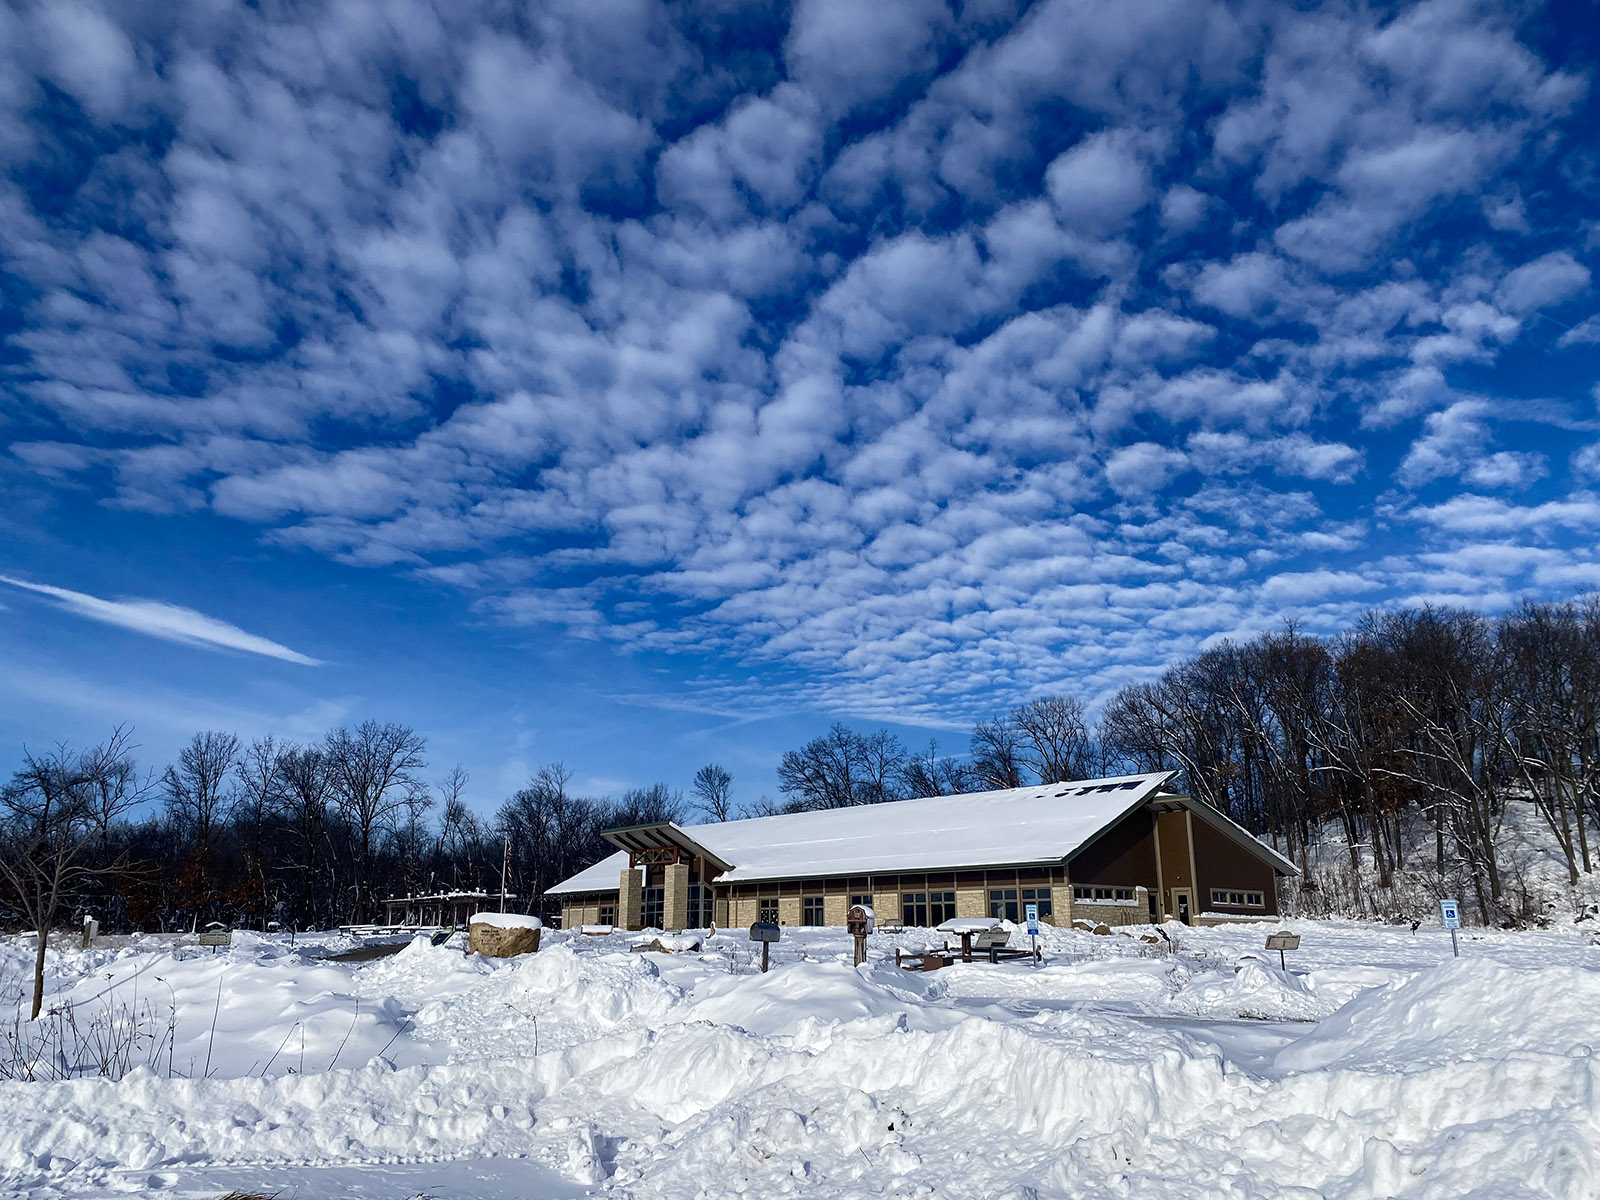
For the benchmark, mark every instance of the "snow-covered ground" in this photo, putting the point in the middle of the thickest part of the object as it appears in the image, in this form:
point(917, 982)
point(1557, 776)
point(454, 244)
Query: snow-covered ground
point(1377, 1065)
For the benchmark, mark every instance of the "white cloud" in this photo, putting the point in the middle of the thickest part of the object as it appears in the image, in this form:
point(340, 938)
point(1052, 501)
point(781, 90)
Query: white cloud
point(850, 54)
point(170, 622)
point(1144, 467)
point(1099, 184)
point(1542, 283)
point(1585, 332)
point(892, 365)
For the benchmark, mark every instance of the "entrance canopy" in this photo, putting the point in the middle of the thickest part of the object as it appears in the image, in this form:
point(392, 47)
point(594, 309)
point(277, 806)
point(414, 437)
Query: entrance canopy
point(662, 842)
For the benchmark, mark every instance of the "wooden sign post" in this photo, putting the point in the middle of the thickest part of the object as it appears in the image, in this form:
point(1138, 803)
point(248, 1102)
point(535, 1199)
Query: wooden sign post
point(765, 932)
point(860, 921)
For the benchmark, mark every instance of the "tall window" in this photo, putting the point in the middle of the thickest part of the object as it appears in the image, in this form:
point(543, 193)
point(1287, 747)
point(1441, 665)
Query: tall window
point(767, 912)
point(941, 907)
point(811, 910)
point(1041, 897)
point(699, 906)
point(608, 914)
point(1003, 903)
point(914, 908)
point(653, 907)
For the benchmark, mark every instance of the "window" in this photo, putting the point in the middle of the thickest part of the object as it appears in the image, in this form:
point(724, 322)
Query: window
point(699, 906)
point(653, 907)
point(864, 899)
point(767, 912)
point(1103, 895)
point(608, 914)
point(914, 908)
point(1003, 903)
point(1231, 899)
point(1039, 896)
point(941, 907)
point(811, 910)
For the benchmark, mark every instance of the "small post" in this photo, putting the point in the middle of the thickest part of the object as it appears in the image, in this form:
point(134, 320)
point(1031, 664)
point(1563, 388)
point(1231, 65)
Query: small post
point(765, 932)
point(1450, 914)
point(505, 865)
point(1283, 963)
point(1031, 913)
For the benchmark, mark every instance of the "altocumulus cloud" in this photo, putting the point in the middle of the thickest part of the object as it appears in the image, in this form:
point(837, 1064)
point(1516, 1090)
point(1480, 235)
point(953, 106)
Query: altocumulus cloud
point(170, 622)
point(916, 354)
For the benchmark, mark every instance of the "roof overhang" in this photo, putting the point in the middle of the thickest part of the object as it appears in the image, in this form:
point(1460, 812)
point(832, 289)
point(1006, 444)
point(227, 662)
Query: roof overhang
point(662, 835)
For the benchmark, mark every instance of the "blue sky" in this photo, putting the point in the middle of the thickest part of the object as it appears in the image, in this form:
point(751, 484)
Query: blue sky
point(639, 385)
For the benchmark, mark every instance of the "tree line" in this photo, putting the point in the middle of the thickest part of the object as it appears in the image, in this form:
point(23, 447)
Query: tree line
point(1407, 743)
point(1403, 742)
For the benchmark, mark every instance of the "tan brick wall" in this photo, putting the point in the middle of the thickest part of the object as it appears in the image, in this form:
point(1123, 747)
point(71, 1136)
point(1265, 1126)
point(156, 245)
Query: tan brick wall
point(789, 910)
point(1109, 914)
point(675, 897)
point(887, 907)
point(834, 909)
point(630, 898)
point(972, 902)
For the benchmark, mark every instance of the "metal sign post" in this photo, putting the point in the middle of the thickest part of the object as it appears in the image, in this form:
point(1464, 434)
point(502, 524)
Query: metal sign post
point(1031, 912)
point(765, 932)
point(1281, 941)
point(1450, 912)
point(216, 938)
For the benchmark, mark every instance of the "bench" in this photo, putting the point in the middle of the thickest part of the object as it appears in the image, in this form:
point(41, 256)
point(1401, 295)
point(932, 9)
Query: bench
point(922, 960)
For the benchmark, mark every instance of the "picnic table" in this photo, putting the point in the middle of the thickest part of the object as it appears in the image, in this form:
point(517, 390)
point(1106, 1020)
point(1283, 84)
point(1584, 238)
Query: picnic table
point(990, 932)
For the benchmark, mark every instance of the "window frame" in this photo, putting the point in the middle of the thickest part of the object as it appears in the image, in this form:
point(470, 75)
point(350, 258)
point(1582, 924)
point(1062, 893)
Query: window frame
point(1238, 898)
point(1005, 904)
point(914, 909)
point(812, 906)
point(1040, 896)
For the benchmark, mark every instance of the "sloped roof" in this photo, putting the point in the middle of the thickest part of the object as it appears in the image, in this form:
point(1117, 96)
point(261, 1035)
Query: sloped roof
point(1018, 826)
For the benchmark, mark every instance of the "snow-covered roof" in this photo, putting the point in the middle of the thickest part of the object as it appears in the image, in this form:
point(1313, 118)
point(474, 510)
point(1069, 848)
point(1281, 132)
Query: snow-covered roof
point(1018, 826)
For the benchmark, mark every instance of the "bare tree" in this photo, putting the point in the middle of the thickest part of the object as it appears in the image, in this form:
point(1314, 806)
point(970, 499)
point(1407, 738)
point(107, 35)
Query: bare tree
point(195, 796)
point(307, 787)
point(1055, 740)
point(51, 811)
point(842, 768)
point(374, 772)
point(260, 793)
point(997, 754)
point(713, 788)
point(647, 805)
point(934, 774)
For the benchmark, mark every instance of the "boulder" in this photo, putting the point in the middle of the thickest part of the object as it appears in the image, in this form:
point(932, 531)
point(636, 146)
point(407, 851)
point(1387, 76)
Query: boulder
point(503, 935)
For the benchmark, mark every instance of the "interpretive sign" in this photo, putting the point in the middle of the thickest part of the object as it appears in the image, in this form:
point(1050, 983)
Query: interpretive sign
point(216, 937)
point(1281, 941)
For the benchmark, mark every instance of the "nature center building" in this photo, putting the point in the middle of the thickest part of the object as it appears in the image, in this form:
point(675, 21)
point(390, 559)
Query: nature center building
point(1118, 850)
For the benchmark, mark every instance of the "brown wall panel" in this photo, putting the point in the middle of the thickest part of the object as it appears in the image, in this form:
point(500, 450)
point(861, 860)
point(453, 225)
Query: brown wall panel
point(1124, 855)
point(1223, 863)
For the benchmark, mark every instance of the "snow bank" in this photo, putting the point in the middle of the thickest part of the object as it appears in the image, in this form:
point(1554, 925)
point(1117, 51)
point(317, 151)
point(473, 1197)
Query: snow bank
point(1254, 990)
point(686, 1076)
point(1457, 1013)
